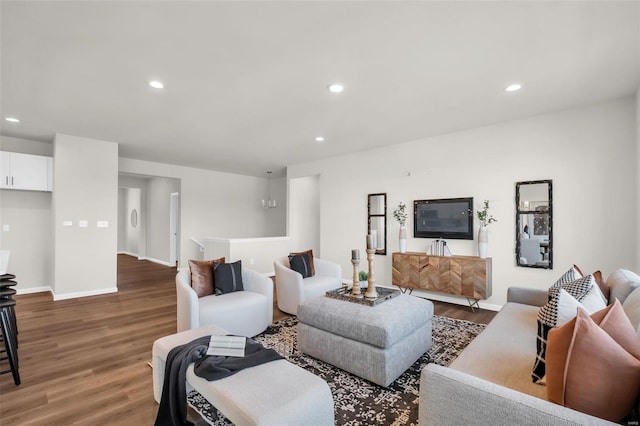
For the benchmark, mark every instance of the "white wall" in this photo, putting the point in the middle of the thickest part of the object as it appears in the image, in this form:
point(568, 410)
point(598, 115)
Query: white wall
point(85, 187)
point(212, 204)
point(588, 152)
point(140, 183)
point(133, 234)
point(304, 214)
point(150, 240)
point(123, 194)
point(158, 205)
point(257, 254)
point(637, 268)
point(28, 214)
point(25, 146)
point(275, 222)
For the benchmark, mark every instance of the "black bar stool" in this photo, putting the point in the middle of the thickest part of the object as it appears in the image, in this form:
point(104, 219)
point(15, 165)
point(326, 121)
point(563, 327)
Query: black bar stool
point(9, 325)
point(9, 338)
point(7, 293)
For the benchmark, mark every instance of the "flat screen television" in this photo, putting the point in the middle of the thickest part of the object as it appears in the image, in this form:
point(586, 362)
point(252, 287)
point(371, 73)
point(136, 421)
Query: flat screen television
point(444, 218)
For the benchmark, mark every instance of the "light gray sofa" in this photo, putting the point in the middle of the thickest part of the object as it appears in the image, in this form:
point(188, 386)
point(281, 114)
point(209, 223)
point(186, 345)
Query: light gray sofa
point(490, 382)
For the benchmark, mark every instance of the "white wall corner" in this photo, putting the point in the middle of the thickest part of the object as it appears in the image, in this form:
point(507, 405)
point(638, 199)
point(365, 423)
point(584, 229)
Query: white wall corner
point(158, 261)
point(78, 294)
point(29, 290)
point(638, 176)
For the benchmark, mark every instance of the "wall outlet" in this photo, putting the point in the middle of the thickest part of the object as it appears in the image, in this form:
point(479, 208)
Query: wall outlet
point(83, 223)
point(5, 228)
point(103, 224)
point(67, 223)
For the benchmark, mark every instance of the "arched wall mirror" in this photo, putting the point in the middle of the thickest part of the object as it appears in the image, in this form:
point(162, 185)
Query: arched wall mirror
point(134, 218)
point(534, 220)
point(377, 220)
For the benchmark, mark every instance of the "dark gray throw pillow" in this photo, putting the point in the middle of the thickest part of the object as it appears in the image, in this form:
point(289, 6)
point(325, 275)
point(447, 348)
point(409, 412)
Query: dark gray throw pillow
point(227, 277)
point(301, 264)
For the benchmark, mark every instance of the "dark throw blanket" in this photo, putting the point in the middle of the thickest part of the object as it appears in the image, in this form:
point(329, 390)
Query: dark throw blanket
point(173, 404)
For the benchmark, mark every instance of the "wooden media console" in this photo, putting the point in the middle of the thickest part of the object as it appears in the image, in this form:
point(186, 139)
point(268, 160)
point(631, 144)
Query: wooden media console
point(467, 276)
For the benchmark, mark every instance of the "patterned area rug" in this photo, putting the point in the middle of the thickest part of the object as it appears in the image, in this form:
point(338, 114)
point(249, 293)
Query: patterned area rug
point(358, 401)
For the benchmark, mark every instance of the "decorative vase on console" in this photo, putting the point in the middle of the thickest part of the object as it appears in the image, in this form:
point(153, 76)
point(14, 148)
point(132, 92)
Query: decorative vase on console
point(483, 241)
point(483, 234)
point(401, 216)
point(403, 238)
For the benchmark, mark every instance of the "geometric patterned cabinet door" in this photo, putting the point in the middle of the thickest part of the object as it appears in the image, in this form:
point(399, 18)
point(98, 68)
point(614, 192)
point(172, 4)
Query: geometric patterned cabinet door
point(467, 276)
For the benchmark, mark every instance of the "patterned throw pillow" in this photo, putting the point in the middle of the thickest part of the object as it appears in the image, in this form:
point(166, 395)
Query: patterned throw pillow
point(228, 277)
point(548, 317)
point(301, 264)
point(570, 276)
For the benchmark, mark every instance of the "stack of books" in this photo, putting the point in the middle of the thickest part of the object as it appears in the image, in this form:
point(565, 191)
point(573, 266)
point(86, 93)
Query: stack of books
point(227, 346)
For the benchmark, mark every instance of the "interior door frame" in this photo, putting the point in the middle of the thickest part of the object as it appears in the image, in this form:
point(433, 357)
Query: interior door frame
point(174, 204)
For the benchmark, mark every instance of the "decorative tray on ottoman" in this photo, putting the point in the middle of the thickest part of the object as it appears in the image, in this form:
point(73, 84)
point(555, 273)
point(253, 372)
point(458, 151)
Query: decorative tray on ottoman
point(344, 293)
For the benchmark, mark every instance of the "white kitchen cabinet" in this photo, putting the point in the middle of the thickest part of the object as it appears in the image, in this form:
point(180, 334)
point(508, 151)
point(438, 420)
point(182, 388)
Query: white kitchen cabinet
point(26, 172)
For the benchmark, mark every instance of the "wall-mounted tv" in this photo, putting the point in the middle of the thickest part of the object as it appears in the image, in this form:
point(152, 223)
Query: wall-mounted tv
point(444, 218)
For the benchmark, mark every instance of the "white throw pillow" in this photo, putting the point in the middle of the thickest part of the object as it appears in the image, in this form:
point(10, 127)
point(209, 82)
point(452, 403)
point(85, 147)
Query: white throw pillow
point(631, 307)
point(622, 283)
point(568, 305)
point(594, 300)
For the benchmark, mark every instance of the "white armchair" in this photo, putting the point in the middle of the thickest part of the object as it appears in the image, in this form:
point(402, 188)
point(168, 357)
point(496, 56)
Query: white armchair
point(242, 313)
point(530, 253)
point(292, 289)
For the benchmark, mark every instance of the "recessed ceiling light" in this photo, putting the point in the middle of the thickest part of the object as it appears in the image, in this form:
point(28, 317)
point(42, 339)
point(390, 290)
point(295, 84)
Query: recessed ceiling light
point(12, 119)
point(336, 88)
point(319, 139)
point(513, 87)
point(156, 84)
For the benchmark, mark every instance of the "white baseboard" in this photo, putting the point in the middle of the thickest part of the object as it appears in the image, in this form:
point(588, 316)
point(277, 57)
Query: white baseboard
point(77, 294)
point(30, 290)
point(459, 300)
point(128, 253)
point(158, 261)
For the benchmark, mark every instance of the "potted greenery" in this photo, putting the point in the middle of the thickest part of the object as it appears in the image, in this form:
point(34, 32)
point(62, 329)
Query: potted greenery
point(363, 277)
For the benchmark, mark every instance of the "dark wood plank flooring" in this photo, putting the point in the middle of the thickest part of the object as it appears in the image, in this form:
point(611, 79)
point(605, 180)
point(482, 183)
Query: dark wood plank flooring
point(84, 361)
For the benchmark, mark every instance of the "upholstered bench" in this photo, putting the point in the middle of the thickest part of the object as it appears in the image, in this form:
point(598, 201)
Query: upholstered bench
point(376, 343)
point(276, 393)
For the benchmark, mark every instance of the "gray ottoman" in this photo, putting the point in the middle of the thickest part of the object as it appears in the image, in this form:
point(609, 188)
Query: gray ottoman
point(277, 393)
point(376, 343)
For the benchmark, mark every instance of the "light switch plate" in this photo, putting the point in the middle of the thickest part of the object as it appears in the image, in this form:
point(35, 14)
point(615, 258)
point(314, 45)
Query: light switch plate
point(5, 228)
point(103, 224)
point(67, 223)
point(83, 223)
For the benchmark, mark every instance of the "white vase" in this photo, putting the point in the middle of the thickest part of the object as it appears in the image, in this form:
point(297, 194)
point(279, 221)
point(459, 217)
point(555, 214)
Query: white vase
point(403, 238)
point(483, 242)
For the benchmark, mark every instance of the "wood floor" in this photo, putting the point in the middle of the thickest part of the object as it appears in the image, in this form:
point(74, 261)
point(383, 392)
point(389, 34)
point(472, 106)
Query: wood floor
point(84, 361)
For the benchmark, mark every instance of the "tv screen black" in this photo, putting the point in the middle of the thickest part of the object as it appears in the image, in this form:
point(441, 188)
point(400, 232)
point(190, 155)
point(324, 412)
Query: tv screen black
point(444, 218)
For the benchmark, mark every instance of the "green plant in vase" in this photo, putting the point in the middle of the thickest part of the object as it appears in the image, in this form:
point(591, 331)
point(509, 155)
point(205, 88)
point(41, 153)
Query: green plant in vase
point(483, 215)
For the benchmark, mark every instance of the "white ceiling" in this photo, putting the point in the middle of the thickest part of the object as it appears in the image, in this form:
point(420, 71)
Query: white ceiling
point(245, 82)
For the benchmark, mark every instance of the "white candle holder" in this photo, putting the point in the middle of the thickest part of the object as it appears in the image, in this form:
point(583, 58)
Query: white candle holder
point(371, 292)
point(355, 289)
